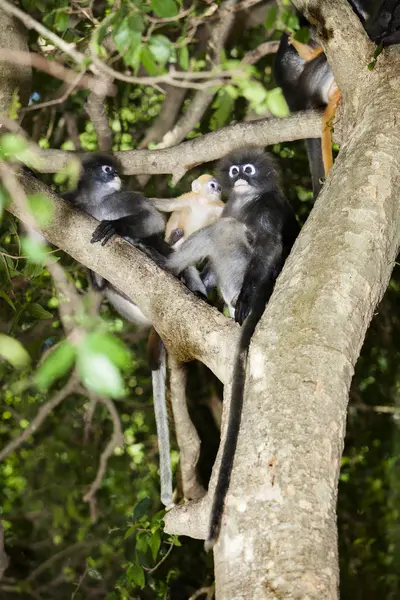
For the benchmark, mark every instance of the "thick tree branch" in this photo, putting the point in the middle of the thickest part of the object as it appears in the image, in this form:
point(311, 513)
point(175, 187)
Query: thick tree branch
point(169, 306)
point(209, 147)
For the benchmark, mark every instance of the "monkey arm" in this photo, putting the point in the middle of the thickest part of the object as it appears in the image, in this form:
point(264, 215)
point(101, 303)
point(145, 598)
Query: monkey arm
point(306, 51)
point(265, 265)
point(173, 204)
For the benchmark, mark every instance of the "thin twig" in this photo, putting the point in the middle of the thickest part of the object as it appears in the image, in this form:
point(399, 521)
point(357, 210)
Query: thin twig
point(58, 100)
point(164, 558)
point(55, 69)
point(31, 23)
point(117, 439)
point(41, 416)
point(250, 58)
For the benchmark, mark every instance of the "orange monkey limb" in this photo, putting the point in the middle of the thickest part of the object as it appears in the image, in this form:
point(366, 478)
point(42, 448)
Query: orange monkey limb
point(306, 51)
point(327, 119)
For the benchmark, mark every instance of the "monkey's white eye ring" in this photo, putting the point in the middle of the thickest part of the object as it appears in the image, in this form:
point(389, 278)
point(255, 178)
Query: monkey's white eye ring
point(249, 169)
point(233, 171)
point(107, 169)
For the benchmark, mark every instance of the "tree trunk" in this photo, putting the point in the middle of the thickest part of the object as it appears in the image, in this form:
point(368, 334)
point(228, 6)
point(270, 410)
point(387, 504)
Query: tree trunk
point(278, 538)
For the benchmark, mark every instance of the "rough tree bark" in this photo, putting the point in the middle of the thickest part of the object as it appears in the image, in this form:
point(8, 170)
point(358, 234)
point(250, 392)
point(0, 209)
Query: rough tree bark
point(278, 537)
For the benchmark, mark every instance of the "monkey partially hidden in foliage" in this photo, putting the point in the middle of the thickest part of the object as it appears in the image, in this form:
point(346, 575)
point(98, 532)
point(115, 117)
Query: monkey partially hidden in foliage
point(193, 210)
point(306, 79)
point(246, 250)
point(135, 218)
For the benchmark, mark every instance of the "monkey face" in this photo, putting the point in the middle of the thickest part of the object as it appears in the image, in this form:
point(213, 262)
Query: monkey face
point(245, 171)
point(213, 188)
point(101, 171)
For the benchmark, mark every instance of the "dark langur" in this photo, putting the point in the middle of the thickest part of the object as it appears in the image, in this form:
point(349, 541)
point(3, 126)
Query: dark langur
point(135, 218)
point(246, 249)
point(307, 82)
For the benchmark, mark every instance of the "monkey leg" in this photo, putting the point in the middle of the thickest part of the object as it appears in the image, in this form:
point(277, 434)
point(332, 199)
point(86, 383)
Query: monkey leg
point(327, 119)
point(186, 434)
point(305, 51)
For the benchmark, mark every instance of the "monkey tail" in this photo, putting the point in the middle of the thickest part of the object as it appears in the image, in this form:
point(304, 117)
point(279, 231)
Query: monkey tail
point(235, 410)
point(157, 358)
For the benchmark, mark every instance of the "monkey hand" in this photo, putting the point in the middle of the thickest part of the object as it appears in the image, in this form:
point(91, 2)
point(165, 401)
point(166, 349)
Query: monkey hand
point(103, 232)
point(243, 304)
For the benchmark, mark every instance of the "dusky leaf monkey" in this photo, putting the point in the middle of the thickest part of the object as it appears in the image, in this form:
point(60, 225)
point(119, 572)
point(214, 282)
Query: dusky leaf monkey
point(246, 250)
point(134, 217)
point(306, 79)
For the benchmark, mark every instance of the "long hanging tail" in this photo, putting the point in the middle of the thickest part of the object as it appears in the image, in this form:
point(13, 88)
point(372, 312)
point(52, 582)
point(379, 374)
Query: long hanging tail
point(235, 411)
point(157, 357)
point(314, 152)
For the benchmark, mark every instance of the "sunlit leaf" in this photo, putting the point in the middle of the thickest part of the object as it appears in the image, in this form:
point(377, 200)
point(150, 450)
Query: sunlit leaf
point(183, 55)
point(58, 362)
point(11, 145)
point(277, 104)
point(161, 48)
point(136, 574)
point(112, 347)
point(13, 352)
point(41, 208)
point(154, 544)
point(148, 62)
point(164, 8)
point(35, 249)
point(99, 374)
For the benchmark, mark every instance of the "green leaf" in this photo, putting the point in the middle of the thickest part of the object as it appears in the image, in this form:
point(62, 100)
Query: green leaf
point(154, 544)
point(148, 62)
point(11, 145)
point(112, 347)
point(34, 249)
point(4, 200)
point(61, 21)
point(127, 37)
point(37, 311)
point(224, 104)
point(184, 58)
point(130, 531)
point(98, 373)
point(136, 574)
point(41, 208)
point(164, 8)
point(7, 298)
point(13, 352)
point(161, 48)
point(271, 17)
point(58, 362)
point(277, 104)
point(94, 573)
point(141, 509)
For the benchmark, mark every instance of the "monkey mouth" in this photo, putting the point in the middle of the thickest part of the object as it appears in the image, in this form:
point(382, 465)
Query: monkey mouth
point(241, 184)
point(115, 183)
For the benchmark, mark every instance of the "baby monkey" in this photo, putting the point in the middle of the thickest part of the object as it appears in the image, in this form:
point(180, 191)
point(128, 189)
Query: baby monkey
point(193, 210)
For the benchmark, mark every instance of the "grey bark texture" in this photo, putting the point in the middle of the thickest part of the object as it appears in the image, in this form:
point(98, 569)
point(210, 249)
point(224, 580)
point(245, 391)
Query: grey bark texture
point(278, 538)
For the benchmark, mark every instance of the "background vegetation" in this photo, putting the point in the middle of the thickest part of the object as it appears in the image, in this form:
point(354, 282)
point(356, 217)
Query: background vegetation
point(59, 545)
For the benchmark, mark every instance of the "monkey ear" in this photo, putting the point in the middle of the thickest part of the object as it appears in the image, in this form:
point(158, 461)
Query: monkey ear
point(196, 185)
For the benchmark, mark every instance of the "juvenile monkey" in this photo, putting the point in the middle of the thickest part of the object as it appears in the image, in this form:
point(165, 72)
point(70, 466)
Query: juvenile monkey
point(135, 218)
point(193, 210)
point(246, 249)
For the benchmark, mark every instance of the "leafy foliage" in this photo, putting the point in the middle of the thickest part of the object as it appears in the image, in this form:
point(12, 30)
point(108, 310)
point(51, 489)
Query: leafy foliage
point(114, 547)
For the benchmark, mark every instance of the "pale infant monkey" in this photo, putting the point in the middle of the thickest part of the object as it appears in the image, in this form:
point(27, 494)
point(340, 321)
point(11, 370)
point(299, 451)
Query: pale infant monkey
point(192, 211)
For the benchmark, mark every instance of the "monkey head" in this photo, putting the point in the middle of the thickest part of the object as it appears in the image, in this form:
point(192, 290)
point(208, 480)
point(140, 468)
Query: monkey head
point(247, 171)
point(100, 171)
point(207, 186)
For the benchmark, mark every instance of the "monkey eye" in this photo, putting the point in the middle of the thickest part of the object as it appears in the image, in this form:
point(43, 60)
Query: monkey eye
point(249, 169)
point(213, 185)
point(233, 171)
point(107, 169)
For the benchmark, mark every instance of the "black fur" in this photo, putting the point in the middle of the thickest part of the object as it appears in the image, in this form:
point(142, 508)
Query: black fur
point(302, 82)
point(273, 228)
